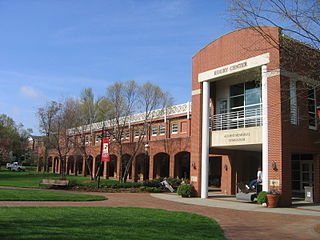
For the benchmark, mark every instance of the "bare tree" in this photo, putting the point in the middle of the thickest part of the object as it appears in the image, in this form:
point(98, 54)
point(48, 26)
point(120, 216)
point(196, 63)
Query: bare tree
point(129, 98)
point(299, 19)
point(90, 110)
point(55, 120)
point(299, 25)
point(46, 117)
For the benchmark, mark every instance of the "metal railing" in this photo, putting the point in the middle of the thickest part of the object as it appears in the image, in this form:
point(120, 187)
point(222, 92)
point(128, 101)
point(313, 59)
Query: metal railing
point(239, 119)
point(184, 108)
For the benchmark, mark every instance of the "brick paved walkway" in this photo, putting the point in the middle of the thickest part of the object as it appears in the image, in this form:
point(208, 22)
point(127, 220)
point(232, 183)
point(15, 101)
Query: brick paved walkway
point(237, 224)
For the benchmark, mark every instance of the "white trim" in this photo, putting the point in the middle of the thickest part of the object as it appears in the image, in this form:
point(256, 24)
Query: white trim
point(265, 128)
point(273, 73)
point(196, 92)
point(205, 140)
point(234, 67)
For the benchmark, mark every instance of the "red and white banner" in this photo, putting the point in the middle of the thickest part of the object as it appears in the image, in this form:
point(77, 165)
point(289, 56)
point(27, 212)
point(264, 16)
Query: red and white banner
point(105, 150)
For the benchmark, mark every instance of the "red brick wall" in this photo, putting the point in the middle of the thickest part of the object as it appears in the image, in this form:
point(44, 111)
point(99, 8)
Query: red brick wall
point(230, 48)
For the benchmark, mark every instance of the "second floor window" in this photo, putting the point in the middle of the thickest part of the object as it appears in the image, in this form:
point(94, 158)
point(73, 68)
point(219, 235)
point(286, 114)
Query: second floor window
point(162, 130)
point(154, 130)
point(136, 132)
point(98, 138)
point(174, 128)
point(312, 116)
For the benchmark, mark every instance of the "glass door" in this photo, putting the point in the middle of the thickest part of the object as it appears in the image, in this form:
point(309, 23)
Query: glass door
point(307, 174)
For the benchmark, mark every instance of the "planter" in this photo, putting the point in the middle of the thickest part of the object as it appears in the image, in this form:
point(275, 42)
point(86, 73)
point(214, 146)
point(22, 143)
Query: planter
point(185, 196)
point(273, 200)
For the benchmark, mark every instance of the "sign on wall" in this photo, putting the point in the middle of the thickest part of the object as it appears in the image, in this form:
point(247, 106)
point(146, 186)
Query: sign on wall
point(105, 150)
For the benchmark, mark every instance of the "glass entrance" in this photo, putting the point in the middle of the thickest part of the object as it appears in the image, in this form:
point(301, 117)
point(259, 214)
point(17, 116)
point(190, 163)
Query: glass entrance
point(302, 172)
point(306, 174)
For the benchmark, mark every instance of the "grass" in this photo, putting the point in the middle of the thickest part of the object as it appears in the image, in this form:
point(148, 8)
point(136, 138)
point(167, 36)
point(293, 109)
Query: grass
point(104, 223)
point(33, 195)
point(32, 179)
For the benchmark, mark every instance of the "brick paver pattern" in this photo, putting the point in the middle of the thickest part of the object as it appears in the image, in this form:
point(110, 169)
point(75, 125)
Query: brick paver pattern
point(237, 224)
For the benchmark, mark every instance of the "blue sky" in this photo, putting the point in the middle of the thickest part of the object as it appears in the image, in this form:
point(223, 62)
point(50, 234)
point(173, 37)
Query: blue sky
point(51, 49)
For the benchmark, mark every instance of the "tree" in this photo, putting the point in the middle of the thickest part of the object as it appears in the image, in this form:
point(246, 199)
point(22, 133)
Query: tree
point(55, 121)
point(126, 99)
point(13, 138)
point(90, 110)
point(299, 24)
point(299, 19)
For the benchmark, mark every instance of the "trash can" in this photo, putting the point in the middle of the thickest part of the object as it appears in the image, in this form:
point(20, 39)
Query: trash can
point(308, 194)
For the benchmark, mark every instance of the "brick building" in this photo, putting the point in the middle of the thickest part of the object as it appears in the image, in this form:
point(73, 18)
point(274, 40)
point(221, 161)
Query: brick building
point(253, 105)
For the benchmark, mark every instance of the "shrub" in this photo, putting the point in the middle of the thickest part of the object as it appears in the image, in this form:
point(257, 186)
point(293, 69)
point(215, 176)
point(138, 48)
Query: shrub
point(152, 183)
point(150, 189)
point(185, 190)
point(262, 197)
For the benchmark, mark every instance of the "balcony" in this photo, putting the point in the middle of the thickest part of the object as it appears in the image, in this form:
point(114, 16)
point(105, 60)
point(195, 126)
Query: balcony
point(239, 130)
point(240, 119)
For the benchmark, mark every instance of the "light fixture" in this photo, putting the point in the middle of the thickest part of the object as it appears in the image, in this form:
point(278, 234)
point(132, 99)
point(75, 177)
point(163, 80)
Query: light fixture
point(193, 164)
point(146, 148)
point(225, 167)
point(274, 165)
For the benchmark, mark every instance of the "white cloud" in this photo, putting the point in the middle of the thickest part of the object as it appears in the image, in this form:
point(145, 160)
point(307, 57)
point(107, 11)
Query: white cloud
point(30, 92)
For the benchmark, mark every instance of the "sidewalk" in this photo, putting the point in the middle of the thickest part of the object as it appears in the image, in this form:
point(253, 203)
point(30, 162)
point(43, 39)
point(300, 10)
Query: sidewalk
point(219, 201)
point(238, 220)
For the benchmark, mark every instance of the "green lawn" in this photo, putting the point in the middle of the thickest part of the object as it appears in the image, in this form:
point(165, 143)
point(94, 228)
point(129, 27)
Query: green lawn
point(32, 195)
point(104, 223)
point(32, 179)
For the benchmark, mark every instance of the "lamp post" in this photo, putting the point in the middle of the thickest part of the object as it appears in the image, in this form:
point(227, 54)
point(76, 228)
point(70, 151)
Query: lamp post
point(146, 150)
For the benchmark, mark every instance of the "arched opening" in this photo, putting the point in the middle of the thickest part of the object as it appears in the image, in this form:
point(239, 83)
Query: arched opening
point(161, 165)
point(56, 164)
point(89, 165)
point(112, 166)
point(70, 165)
point(182, 165)
point(125, 159)
point(79, 164)
point(142, 167)
point(99, 166)
point(49, 164)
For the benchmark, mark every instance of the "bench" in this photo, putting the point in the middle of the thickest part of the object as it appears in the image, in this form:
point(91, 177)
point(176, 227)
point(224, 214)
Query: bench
point(57, 183)
point(245, 194)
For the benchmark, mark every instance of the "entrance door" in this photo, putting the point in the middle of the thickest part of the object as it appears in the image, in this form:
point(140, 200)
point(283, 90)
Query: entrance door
point(307, 174)
point(302, 172)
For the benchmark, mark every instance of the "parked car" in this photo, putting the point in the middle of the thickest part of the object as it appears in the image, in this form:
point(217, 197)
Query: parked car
point(15, 166)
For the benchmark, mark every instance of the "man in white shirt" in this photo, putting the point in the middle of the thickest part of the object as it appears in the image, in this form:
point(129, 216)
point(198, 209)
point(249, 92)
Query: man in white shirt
point(253, 183)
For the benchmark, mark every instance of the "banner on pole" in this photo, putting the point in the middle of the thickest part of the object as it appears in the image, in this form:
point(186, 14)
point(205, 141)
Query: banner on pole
point(105, 150)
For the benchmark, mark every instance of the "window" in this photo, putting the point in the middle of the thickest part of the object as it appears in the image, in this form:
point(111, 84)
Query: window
point(87, 140)
point(136, 132)
point(174, 128)
point(154, 130)
point(162, 129)
point(312, 107)
point(127, 134)
point(245, 101)
point(293, 103)
point(98, 138)
point(143, 131)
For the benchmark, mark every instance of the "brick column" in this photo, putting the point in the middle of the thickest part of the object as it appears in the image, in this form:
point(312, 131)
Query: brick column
point(151, 165)
point(93, 167)
point(316, 185)
point(105, 169)
point(84, 167)
point(171, 165)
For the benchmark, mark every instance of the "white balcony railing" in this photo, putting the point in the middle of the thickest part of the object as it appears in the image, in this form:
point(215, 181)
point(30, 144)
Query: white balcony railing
point(184, 108)
point(239, 119)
